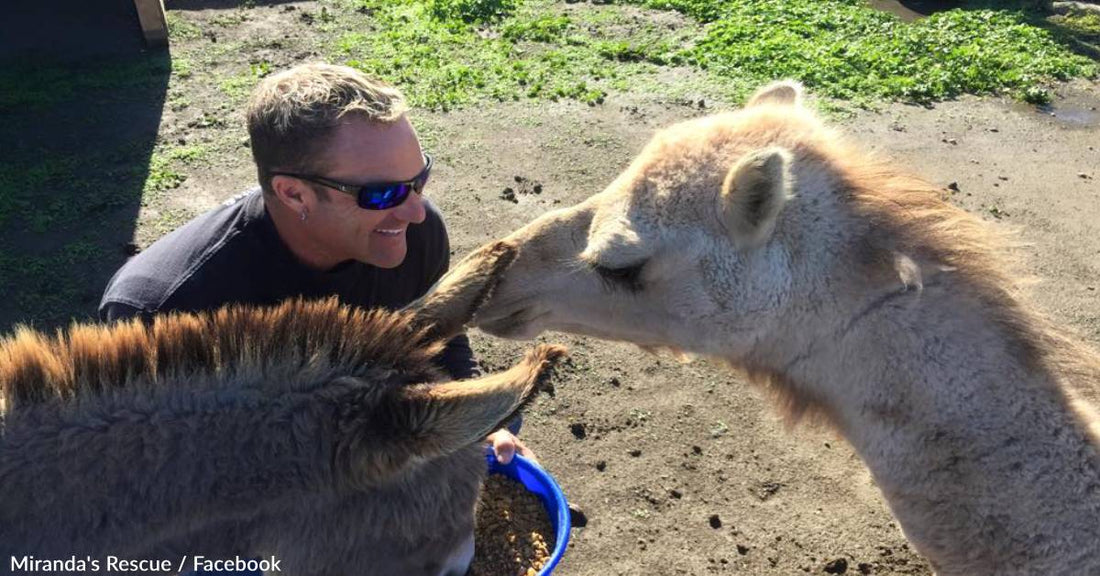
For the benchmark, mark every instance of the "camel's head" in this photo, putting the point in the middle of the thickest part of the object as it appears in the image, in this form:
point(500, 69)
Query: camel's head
point(691, 246)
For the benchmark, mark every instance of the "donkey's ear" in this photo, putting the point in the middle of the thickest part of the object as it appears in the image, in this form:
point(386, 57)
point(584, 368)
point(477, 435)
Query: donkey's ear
point(786, 92)
point(452, 302)
point(753, 194)
point(416, 423)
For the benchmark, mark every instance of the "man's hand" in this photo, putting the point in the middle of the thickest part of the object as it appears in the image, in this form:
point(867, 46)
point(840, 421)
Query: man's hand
point(505, 445)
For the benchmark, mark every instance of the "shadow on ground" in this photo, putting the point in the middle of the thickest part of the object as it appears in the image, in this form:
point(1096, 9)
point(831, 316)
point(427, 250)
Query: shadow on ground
point(80, 106)
point(224, 4)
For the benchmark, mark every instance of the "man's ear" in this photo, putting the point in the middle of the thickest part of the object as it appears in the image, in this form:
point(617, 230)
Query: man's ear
point(292, 193)
point(410, 424)
point(784, 92)
point(753, 194)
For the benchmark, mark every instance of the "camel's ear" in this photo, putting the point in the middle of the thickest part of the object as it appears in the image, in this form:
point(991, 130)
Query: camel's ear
point(416, 423)
point(451, 303)
point(787, 92)
point(754, 192)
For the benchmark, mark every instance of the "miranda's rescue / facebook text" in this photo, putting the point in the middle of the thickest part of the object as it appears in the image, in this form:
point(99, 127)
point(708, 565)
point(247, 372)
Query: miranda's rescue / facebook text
point(116, 565)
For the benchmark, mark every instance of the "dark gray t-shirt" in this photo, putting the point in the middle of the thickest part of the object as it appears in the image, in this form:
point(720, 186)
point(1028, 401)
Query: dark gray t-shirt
point(233, 254)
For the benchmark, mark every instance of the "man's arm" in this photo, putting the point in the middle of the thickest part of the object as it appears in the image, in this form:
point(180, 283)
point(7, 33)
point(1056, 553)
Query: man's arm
point(458, 359)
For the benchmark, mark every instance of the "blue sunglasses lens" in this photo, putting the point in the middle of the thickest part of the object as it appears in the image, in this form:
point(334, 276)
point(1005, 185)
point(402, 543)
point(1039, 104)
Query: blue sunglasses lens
point(383, 198)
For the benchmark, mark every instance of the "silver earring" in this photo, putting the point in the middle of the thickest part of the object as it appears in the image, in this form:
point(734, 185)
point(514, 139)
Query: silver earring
point(303, 215)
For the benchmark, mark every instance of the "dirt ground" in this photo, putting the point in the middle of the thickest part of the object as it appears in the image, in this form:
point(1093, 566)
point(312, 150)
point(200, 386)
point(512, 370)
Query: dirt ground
point(684, 469)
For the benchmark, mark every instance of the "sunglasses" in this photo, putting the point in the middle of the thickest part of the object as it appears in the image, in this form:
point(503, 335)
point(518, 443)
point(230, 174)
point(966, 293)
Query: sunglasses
point(379, 196)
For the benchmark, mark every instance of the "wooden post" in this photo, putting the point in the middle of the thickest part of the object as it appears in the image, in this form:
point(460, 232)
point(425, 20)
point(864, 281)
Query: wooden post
point(153, 23)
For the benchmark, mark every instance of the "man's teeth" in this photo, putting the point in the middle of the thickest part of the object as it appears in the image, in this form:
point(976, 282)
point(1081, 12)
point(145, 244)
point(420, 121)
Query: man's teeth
point(389, 232)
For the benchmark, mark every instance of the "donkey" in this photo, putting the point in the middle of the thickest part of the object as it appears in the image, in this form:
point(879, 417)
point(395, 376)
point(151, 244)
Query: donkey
point(316, 434)
point(856, 293)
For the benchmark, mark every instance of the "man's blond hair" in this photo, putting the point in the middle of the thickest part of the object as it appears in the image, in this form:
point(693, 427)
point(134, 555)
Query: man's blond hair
point(292, 114)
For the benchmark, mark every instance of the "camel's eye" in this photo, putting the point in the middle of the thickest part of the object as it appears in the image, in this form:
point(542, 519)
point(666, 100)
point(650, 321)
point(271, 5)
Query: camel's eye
point(627, 277)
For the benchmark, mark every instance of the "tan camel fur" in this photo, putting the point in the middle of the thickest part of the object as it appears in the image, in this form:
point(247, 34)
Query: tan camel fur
point(311, 432)
point(855, 292)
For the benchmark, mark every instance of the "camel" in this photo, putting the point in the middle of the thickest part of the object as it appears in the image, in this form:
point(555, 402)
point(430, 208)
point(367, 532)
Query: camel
point(309, 434)
point(856, 294)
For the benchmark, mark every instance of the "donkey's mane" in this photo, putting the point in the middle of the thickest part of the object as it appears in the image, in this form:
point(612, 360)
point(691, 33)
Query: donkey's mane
point(298, 340)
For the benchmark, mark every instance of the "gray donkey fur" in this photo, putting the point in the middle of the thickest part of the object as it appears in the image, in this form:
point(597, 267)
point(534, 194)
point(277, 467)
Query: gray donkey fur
point(310, 432)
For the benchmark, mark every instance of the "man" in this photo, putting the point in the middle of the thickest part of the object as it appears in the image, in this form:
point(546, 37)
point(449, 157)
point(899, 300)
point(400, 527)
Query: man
point(338, 212)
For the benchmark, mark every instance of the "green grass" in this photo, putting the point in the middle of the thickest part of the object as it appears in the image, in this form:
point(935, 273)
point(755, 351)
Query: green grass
point(180, 29)
point(1085, 24)
point(843, 49)
point(49, 284)
point(444, 64)
point(167, 168)
point(453, 53)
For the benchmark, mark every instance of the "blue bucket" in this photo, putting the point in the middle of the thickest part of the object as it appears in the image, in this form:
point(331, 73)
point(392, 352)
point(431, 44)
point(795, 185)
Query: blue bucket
point(542, 484)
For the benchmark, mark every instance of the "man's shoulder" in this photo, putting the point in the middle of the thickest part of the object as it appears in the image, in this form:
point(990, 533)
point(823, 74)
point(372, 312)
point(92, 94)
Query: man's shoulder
point(153, 276)
point(433, 223)
point(431, 234)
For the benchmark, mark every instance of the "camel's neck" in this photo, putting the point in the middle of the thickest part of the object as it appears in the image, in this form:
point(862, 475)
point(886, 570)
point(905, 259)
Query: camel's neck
point(977, 452)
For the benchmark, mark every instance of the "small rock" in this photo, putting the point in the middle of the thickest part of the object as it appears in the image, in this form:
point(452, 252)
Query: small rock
point(697, 450)
point(510, 195)
point(635, 452)
point(702, 103)
point(954, 186)
point(865, 568)
point(742, 549)
point(838, 566)
point(615, 382)
point(951, 141)
point(601, 465)
point(676, 494)
point(715, 521)
point(994, 130)
point(1084, 176)
point(579, 430)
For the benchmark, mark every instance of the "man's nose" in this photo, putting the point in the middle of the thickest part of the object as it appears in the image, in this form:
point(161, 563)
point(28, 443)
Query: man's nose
point(412, 209)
